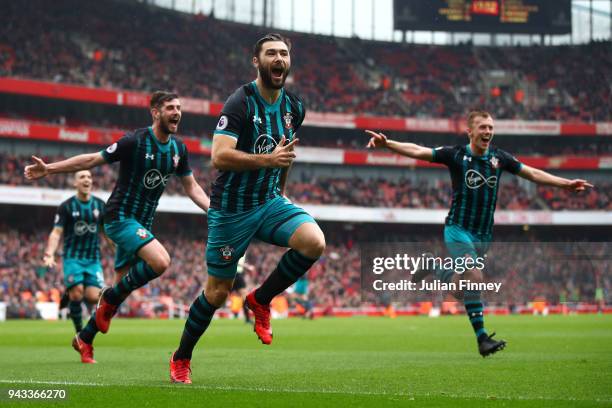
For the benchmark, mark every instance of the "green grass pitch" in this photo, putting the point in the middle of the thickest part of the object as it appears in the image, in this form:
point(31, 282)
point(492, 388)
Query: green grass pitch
point(555, 361)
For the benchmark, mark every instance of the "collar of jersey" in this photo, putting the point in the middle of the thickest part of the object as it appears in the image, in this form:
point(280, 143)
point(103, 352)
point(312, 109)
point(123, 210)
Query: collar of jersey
point(83, 202)
point(163, 147)
point(468, 148)
point(266, 103)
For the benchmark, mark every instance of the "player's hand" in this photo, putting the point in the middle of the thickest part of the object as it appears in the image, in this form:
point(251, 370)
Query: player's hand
point(49, 261)
point(283, 154)
point(376, 140)
point(36, 170)
point(579, 185)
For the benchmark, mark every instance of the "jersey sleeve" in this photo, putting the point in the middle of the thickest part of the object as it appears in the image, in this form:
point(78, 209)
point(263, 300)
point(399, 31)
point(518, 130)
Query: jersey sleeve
point(120, 150)
point(183, 169)
point(443, 154)
point(508, 162)
point(233, 117)
point(60, 216)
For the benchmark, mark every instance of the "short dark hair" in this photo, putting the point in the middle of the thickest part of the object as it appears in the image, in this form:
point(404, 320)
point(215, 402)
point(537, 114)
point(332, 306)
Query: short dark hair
point(475, 114)
point(159, 97)
point(267, 38)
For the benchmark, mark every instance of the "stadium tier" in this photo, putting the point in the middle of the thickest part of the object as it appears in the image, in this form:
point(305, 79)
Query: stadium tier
point(357, 77)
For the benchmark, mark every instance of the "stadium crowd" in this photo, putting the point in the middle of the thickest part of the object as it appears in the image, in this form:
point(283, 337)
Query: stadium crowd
point(355, 191)
point(526, 270)
point(115, 49)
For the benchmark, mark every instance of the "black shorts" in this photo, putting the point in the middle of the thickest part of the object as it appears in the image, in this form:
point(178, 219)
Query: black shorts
point(239, 282)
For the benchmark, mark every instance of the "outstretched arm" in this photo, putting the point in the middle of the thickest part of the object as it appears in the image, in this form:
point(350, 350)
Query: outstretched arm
point(195, 192)
point(541, 177)
point(415, 151)
point(41, 169)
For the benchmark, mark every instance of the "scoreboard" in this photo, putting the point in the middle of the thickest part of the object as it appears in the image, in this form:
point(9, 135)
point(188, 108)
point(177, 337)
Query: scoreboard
point(490, 16)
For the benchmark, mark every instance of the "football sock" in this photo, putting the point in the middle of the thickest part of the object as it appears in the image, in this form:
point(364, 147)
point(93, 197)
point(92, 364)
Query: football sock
point(76, 314)
point(139, 275)
point(90, 330)
point(475, 312)
point(200, 314)
point(290, 268)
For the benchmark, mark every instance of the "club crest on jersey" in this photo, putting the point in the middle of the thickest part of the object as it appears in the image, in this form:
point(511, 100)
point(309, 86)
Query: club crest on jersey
point(75, 214)
point(149, 156)
point(142, 233)
point(494, 162)
point(96, 213)
point(257, 120)
point(288, 118)
point(175, 160)
point(264, 144)
point(474, 180)
point(467, 158)
point(153, 178)
point(227, 252)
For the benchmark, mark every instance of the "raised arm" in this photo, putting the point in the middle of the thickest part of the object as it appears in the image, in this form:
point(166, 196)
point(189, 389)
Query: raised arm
point(378, 140)
point(541, 177)
point(41, 169)
point(225, 156)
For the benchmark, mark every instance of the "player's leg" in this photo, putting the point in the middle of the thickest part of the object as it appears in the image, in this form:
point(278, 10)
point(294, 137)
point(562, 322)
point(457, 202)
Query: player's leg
point(462, 244)
point(92, 294)
point(75, 294)
point(200, 315)
point(151, 262)
point(286, 225)
point(83, 341)
point(306, 244)
point(228, 238)
point(73, 281)
point(154, 262)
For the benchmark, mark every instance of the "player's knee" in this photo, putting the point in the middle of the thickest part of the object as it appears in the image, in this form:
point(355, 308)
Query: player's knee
point(161, 263)
point(217, 296)
point(75, 294)
point(314, 246)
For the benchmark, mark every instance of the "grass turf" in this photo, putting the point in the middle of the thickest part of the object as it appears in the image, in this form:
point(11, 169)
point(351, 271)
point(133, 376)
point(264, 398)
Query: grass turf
point(416, 361)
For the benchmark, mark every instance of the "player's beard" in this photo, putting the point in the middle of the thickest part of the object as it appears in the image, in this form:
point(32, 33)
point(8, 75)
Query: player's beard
point(164, 125)
point(265, 73)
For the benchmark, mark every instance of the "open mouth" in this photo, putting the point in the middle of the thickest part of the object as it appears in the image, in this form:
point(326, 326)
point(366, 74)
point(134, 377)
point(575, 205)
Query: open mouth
point(486, 139)
point(277, 72)
point(174, 121)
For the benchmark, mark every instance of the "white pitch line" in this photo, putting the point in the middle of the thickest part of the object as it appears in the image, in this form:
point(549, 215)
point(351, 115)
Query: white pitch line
point(299, 391)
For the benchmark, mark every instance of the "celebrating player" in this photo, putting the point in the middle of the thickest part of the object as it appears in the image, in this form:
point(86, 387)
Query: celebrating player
point(148, 158)
point(475, 171)
point(253, 147)
point(79, 219)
